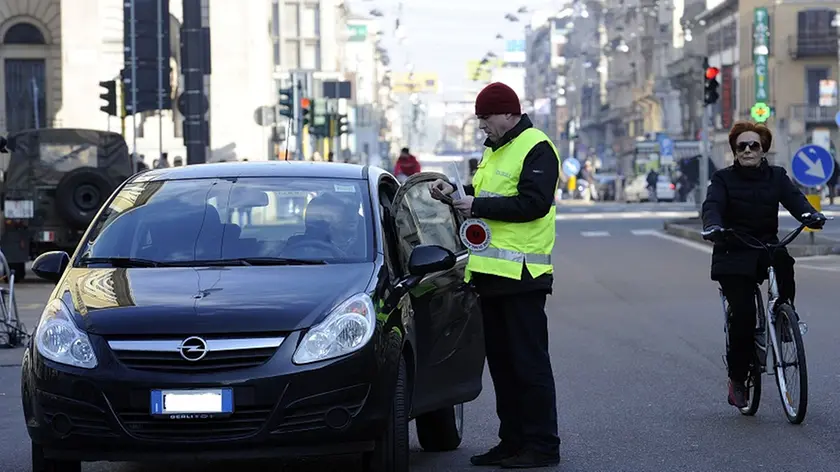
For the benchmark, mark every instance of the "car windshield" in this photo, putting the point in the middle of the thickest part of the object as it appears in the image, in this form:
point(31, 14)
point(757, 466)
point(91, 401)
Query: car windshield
point(250, 220)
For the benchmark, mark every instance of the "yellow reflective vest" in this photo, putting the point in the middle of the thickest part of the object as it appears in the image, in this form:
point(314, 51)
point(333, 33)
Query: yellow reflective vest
point(512, 244)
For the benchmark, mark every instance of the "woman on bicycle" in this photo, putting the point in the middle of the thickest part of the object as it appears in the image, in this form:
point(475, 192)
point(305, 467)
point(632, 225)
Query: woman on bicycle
point(745, 197)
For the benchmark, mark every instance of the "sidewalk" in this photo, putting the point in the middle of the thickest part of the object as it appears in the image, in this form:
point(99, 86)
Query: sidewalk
point(690, 228)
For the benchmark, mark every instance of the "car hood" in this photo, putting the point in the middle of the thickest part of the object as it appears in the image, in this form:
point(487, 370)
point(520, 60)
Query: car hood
point(209, 300)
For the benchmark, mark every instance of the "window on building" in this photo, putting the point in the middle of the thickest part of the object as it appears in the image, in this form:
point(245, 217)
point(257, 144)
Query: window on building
point(311, 55)
point(291, 54)
point(24, 33)
point(815, 35)
point(275, 19)
point(277, 55)
point(291, 20)
point(310, 20)
point(813, 76)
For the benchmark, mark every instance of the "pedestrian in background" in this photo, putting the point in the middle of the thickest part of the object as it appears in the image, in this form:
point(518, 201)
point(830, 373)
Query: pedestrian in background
point(406, 166)
point(513, 195)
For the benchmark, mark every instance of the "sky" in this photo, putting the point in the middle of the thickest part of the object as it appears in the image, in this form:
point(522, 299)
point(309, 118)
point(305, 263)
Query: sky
point(443, 35)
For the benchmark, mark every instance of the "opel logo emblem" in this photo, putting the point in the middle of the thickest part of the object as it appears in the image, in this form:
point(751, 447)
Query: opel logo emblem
point(193, 349)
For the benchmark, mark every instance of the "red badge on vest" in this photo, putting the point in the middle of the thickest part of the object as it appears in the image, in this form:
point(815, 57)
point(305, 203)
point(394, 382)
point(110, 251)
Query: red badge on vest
point(475, 234)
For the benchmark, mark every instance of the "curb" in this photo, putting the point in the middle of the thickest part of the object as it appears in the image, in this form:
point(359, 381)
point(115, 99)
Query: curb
point(681, 230)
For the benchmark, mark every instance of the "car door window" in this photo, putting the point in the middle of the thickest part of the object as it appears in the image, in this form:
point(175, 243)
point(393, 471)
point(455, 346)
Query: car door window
point(421, 219)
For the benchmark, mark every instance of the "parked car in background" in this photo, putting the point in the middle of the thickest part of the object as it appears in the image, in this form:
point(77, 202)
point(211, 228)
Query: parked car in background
point(637, 189)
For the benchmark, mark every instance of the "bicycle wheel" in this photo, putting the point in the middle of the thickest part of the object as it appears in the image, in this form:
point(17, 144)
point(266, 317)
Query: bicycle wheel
point(791, 369)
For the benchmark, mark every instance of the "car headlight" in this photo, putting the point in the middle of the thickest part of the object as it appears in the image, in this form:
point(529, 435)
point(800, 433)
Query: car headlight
point(346, 329)
point(59, 339)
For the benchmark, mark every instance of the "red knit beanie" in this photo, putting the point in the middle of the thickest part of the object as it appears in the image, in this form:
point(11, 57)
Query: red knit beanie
point(497, 99)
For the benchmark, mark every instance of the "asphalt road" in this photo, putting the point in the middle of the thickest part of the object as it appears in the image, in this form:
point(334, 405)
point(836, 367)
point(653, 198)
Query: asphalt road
point(636, 339)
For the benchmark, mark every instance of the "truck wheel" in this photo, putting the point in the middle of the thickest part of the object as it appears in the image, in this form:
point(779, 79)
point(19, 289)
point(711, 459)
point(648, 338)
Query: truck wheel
point(80, 194)
point(19, 269)
point(391, 451)
point(441, 430)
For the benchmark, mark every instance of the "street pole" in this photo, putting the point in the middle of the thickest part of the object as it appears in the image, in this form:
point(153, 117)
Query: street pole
point(299, 123)
point(160, 76)
point(704, 159)
point(133, 84)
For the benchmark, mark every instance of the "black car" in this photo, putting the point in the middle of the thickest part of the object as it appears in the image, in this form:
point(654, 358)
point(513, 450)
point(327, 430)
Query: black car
point(246, 310)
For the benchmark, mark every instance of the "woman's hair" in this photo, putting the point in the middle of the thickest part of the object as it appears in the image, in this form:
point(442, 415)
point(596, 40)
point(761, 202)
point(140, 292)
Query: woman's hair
point(763, 132)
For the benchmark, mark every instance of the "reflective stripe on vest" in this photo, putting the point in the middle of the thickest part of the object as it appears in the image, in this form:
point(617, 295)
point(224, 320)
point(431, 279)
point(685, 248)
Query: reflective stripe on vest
point(512, 245)
point(485, 193)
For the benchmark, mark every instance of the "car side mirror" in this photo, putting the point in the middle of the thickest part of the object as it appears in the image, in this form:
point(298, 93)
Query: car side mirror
point(51, 265)
point(428, 258)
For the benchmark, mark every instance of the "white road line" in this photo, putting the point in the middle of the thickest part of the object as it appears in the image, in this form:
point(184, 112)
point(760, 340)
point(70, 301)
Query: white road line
point(644, 232)
point(685, 242)
point(594, 234)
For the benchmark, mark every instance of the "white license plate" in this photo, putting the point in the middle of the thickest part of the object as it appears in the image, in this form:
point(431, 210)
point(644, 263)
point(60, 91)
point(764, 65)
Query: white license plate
point(199, 401)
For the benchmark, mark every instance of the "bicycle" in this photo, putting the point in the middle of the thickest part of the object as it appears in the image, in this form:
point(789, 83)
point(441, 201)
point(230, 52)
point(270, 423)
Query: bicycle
point(783, 318)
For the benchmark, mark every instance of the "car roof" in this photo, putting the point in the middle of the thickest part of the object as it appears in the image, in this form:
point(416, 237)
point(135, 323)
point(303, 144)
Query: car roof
point(330, 170)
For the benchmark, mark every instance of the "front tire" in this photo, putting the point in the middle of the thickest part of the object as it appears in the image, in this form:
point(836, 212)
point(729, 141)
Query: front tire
point(788, 336)
point(441, 430)
point(43, 464)
point(391, 451)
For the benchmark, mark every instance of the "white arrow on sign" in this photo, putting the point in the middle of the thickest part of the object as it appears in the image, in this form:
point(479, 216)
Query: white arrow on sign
point(815, 167)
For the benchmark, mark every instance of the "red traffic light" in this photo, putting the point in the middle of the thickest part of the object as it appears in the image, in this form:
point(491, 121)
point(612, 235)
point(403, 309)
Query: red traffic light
point(712, 72)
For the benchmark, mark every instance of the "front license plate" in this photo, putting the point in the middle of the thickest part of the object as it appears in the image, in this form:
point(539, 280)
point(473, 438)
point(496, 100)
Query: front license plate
point(199, 401)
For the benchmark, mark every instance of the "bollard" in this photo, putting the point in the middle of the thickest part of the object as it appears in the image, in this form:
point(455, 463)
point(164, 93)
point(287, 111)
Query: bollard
point(816, 201)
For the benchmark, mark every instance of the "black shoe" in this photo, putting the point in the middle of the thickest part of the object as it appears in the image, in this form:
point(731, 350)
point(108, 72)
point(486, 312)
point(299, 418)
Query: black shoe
point(528, 459)
point(494, 456)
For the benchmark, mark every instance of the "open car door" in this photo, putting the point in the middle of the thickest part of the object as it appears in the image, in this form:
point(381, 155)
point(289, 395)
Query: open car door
point(449, 330)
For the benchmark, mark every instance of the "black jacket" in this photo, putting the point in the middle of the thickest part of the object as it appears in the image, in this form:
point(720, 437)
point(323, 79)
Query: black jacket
point(747, 200)
point(535, 194)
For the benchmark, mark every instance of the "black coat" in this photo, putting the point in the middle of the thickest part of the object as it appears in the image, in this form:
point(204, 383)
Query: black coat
point(747, 200)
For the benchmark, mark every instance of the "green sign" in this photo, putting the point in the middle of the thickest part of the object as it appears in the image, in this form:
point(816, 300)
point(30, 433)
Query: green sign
point(761, 51)
point(760, 112)
point(357, 32)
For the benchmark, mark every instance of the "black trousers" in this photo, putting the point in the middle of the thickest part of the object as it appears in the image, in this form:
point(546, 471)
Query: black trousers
point(516, 342)
point(740, 293)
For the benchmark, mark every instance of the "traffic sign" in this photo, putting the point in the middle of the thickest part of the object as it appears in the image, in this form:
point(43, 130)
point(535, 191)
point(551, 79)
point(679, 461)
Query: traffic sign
point(666, 150)
point(812, 165)
point(571, 166)
point(760, 112)
point(475, 234)
point(837, 118)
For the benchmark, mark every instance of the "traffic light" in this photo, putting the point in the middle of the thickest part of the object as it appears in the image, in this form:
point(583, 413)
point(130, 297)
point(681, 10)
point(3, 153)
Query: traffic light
point(343, 125)
point(286, 102)
point(305, 106)
point(110, 97)
point(711, 85)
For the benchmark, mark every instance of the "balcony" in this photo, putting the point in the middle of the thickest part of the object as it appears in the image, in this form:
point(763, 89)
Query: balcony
point(813, 44)
point(813, 115)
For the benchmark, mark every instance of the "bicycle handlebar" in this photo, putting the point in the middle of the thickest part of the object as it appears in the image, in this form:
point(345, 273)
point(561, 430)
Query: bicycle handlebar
point(761, 245)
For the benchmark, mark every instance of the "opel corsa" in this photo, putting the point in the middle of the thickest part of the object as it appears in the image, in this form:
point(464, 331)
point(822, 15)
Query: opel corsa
point(249, 310)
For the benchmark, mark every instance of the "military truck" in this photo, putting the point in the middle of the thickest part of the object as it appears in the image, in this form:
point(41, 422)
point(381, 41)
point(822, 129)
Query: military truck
point(54, 184)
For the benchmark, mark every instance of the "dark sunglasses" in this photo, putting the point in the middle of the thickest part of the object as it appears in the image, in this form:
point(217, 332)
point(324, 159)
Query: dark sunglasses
point(752, 145)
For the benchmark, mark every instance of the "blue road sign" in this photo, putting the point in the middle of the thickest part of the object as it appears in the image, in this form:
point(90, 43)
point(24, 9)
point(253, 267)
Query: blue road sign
point(837, 118)
point(571, 166)
point(812, 165)
point(666, 149)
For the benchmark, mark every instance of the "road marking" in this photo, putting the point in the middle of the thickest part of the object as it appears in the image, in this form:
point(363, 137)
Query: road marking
point(685, 242)
point(644, 232)
point(594, 234)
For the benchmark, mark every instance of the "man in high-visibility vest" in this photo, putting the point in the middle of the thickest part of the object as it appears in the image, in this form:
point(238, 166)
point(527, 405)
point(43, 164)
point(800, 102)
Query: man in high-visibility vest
point(511, 203)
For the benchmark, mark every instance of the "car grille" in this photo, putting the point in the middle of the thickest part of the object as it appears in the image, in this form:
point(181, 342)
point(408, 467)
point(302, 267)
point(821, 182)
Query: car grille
point(245, 422)
point(185, 355)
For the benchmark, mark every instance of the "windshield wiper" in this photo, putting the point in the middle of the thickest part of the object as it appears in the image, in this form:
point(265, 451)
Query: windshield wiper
point(268, 261)
point(122, 262)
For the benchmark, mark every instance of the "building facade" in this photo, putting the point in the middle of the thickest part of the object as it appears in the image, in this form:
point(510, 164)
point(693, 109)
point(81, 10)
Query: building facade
point(52, 69)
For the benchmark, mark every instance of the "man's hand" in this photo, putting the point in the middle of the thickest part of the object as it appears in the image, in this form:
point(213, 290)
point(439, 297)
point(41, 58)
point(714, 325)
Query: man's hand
point(464, 205)
point(713, 233)
point(815, 220)
point(440, 189)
